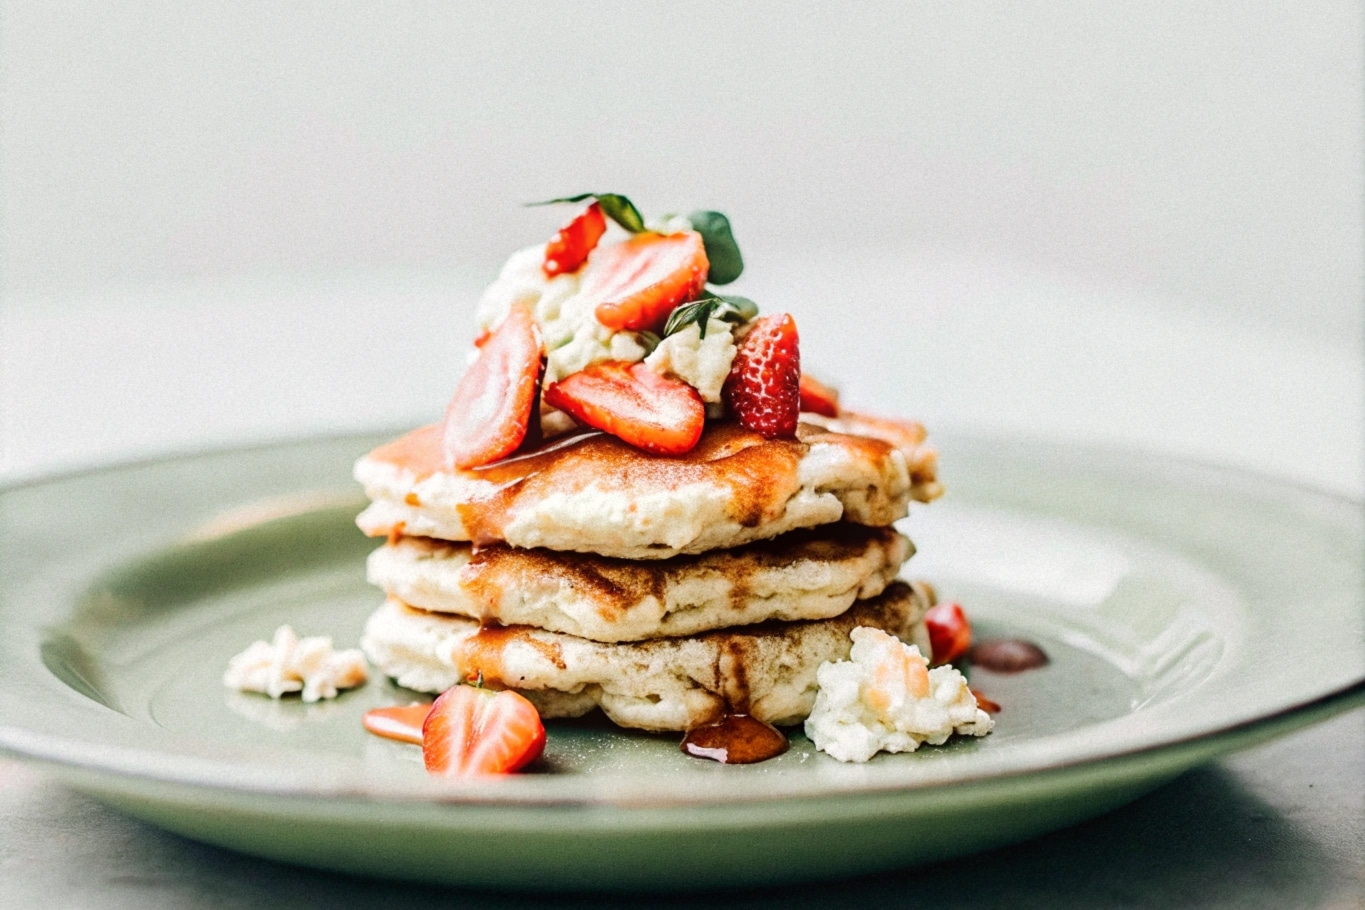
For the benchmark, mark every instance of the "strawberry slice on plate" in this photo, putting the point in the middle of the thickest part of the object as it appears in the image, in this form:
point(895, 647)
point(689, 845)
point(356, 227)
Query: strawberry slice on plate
point(950, 633)
point(568, 250)
point(472, 730)
point(634, 403)
point(763, 389)
point(818, 398)
point(491, 409)
point(640, 280)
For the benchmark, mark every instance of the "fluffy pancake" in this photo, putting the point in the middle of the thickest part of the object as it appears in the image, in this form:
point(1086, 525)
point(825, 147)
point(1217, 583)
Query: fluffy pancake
point(808, 574)
point(766, 670)
point(592, 493)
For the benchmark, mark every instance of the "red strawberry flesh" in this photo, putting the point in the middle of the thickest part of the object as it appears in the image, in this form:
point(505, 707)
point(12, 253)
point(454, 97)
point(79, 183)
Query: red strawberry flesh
point(950, 632)
point(818, 398)
point(568, 250)
point(763, 389)
point(640, 280)
point(489, 413)
point(472, 731)
point(632, 402)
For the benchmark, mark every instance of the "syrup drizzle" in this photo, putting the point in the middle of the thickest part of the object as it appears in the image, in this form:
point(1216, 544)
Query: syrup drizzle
point(737, 739)
point(400, 722)
point(984, 703)
point(482, 653)
point(1007, 655)
point(761, 474)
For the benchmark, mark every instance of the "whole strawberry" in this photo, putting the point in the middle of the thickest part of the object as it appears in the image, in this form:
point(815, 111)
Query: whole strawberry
point(763, 389)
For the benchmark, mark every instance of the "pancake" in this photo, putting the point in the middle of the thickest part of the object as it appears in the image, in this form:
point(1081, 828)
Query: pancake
point(808, 574)
point(767, 670)
point(921, 461)
point(590, 492)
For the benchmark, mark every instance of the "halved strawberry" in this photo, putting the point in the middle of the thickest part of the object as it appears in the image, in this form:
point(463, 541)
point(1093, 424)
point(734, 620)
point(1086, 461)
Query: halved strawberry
point(479, 731)
point(640, 280)
point(950, 633)
point(634, 403)
point(568, 250)
point(817, 397)
point(763, 389)
point(491, 408)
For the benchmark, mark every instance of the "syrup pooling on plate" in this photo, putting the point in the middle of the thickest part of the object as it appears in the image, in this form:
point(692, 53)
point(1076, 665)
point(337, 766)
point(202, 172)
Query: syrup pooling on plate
point(1007, 655)
point(399, 722)
point(736, 739)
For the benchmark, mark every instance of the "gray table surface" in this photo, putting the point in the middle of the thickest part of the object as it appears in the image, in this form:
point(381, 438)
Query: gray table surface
point(1279, 826)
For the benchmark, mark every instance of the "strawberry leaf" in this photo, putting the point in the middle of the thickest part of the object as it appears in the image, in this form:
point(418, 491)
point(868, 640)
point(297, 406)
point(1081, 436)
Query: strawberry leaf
point(731, 309)
point(615, 206)
point(721, 249)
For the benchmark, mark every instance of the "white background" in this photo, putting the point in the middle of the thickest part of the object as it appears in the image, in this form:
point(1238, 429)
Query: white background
point(1135, 223)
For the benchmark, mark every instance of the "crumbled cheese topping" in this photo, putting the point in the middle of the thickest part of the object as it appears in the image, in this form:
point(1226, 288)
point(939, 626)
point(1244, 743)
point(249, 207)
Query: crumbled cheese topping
point(574, 338)
point(702, 363)
point(288, 663)
point(886, 699)
point(668, 224)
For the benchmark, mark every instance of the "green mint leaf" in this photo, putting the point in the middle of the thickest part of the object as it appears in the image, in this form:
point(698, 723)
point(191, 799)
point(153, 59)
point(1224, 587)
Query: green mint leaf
point(742, 309)
point(721, 249)
point(615, 206)
point(622, 211)
point(698, 311)
point(649, 340)
point(731, 309)
point(579, 198)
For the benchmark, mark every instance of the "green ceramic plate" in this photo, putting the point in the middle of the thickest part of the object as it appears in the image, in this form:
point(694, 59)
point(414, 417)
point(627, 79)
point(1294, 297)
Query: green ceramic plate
point(1188, 611)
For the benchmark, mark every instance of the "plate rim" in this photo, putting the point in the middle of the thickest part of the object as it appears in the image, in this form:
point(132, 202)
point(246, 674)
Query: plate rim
point(145, 764)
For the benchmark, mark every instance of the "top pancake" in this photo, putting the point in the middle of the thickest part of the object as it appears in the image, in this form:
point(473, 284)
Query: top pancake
point(590, 492)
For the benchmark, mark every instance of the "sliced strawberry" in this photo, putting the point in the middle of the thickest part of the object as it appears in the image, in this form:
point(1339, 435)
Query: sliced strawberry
point(480, 731)
point(950, 633)
point(491, 408)
point(568, 250)
point(763, 389)
point(817, 397)
point(639, 281)
point(632, 402)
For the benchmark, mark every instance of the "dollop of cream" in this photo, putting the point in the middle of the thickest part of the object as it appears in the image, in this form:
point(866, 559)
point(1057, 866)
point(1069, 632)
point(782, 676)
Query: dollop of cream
point(702, 363)
point(287, 663)
point(884, 698)
point(574, 338)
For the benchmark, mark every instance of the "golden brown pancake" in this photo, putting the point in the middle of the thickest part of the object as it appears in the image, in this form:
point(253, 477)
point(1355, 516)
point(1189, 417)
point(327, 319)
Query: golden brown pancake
point(766, 670)
point(809, 574)
point(589, 492)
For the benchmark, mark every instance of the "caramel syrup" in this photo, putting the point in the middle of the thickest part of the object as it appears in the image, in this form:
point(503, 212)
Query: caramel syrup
point(481, 654)
point(984, 703)
point(1007, 655)
point(761, 474)
point(400, 722)
point(737, 739)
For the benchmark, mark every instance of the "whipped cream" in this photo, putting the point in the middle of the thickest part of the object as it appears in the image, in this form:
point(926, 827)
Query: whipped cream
point(702, 363)
point(884, 698)
point(287, 663)
point(575, 339)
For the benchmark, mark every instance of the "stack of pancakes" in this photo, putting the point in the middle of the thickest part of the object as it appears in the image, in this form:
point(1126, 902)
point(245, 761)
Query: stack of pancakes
point(668, 591)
